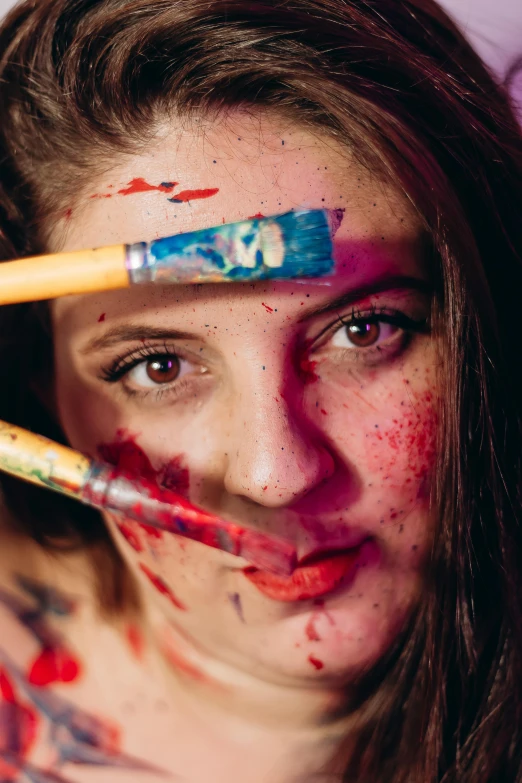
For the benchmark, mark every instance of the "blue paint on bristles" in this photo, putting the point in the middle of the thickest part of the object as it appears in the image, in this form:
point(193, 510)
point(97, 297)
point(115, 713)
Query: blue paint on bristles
point(283, 247)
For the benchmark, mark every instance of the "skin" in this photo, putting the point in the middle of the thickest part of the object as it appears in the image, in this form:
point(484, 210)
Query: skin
point(280, 425)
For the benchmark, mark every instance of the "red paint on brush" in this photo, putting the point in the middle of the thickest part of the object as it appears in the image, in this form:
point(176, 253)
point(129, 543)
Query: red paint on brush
point(54, 664)
point(161, 586)
point(316, 663)
point(139, 185)
point(192, 195)
point(129, 533)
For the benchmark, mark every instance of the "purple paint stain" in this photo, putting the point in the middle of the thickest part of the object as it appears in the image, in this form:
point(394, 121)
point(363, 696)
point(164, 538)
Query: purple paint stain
point(335, 218)
point(235, 600)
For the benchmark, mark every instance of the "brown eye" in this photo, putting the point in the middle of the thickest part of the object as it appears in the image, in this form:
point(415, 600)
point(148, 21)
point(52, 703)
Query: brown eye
point(362, 333)
point(163, 369)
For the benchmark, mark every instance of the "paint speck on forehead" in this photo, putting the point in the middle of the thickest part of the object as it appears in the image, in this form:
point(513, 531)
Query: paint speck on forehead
point(192, 195)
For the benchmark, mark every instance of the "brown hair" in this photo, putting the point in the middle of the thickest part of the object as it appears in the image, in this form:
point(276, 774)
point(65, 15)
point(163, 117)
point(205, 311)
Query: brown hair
point(398, 84)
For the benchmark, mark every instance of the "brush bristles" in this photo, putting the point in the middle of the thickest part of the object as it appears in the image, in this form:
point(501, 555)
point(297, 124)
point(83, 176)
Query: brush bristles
point(284, 247)
point(307, 244)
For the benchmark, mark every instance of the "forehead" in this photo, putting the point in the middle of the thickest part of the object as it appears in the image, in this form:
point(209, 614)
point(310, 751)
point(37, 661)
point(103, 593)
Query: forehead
point(198, 174)
point(226, 170)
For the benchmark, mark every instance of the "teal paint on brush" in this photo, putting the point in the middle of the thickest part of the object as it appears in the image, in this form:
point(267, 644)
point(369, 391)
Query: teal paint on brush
point(294, 245)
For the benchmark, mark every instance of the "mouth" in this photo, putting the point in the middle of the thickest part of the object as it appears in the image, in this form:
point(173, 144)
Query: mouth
point(316, 575)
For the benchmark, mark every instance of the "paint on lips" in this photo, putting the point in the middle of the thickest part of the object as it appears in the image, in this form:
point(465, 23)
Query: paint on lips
point(315, 576)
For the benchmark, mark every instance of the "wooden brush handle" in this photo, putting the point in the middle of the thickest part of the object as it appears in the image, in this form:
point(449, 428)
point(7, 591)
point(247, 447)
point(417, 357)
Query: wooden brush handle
point(41, 461)
point(60, 274)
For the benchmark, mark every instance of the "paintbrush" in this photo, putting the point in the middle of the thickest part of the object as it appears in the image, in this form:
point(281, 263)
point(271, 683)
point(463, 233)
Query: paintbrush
point(48, 464)
point(283, 247)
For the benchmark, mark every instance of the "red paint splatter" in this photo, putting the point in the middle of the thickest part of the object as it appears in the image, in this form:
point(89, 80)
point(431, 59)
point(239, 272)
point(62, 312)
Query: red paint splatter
point(257, 216)
point(130, 535)
point(101, 318)
point(311, 630)
point(192, 195)
point(135, 640)
point(138, 185)
point(101, 195)
point(68, 214)
point(161, 586)
point(325, 413)
point(267, 308)
point(308, 368)
point(316, 663)
point(54, 664)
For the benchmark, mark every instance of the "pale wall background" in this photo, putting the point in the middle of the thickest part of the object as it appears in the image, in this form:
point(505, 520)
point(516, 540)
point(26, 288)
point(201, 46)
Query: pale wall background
point(493, 26)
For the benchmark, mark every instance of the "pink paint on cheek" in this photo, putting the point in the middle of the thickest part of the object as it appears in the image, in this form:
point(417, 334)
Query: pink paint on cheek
point(316, 663)
point(308, 369)
point(162, 587)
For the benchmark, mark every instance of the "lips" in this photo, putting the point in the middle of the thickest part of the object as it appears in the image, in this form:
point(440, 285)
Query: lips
point(316, 575)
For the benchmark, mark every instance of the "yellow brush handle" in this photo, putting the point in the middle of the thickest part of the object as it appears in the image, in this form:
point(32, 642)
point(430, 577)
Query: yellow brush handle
point(60, 274)
point(40, 460)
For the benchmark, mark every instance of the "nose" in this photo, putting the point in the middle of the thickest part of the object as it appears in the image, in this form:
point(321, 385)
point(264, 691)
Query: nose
point(275, 455)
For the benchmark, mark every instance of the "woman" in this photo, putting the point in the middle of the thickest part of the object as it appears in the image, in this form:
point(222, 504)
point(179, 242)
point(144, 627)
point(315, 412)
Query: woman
point(373, 422)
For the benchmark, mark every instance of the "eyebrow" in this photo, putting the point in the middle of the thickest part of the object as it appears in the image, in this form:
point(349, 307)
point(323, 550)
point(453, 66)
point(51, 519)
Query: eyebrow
point(379, 285)
point(129, 333)
point(132, 333)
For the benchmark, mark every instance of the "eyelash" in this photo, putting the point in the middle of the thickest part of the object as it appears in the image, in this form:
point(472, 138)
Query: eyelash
point(122, 365)
point(375, 315)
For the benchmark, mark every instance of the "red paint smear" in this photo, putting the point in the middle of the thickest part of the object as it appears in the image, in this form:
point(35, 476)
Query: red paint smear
point(18, 722)
point(175, 476)
point(316, 663)
point(324, 412)
point(267, 308)
point(188, 668)
point(101, 195)
point(68, 214)
point(311, 630)
point(101, 318)
point(54, 664)
point(125, 454)
point(130, 535)
point(151, 532)
point(258, 215)
point(192, 195)
point(135, 640)
point(138, 185)
point(308, 368)
point(160, 585)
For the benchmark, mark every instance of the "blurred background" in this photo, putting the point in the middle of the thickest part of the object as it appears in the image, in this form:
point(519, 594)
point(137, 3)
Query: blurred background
point(494, 27)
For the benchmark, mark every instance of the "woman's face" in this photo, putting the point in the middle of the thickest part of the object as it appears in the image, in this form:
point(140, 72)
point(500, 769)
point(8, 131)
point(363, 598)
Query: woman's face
point(298, 408)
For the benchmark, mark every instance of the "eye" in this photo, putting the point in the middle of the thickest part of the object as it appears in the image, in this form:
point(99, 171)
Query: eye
point(363, 333)
point(158, 370)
